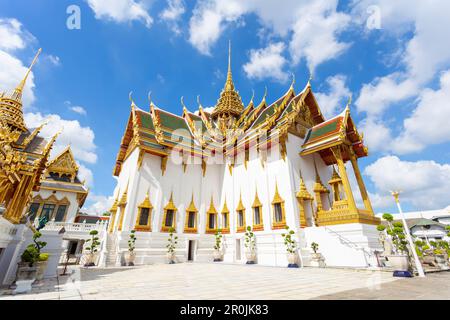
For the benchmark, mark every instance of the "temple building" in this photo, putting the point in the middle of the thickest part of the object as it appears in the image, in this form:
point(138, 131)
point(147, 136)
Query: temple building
point(266, 165)
point(61, 194)
point(23, 154)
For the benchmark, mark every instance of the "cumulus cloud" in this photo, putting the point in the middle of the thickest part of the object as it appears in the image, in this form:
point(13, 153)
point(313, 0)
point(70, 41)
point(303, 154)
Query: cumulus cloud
point(12, 70)
point(98, 204)
point(209, 20)
point(81, 139)
point(172, 14)
point(315, 33)
point(121, 11)
point(424, 184)
point(333, 101)
point(308, 29)
point(267, 62)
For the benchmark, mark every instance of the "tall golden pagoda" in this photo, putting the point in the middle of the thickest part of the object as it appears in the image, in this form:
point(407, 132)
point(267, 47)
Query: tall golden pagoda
point(229, 106)
point(23, 153)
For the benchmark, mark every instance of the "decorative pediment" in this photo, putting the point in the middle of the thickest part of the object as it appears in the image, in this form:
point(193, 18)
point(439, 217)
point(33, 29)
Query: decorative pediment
point(64, 163)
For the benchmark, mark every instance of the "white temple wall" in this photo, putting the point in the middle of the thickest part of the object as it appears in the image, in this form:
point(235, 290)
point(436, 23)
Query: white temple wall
point(242, 182)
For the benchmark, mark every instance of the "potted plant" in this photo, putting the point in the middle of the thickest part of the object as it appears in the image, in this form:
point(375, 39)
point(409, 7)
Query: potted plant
point(250, 244)
point(27, 269)
point(91, 256)
point(42, 260)
point(291, 247)
point(317, 259)
point(173, 241)
point(130, 255)
point(218, 253)
point(399, 259)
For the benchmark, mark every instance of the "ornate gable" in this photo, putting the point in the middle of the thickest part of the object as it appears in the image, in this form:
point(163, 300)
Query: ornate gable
point(64, 163)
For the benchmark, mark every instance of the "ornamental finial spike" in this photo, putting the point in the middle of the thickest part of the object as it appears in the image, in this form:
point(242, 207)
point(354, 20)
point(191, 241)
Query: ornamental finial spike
point(229, 86)
point(310, 78)
point(293, 80)
point(182, 103)
point(253, 95)
point(149, 96)
point(349, 102)
point(21, 85)
point(199, 102)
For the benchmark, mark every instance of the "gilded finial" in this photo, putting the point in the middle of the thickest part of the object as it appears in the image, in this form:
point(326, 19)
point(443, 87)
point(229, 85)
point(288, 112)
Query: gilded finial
point(229, 86)
point(130, 97)
point(199, 102)
point(182, 103)
point(265, 93)
point(149, 96)
point(310, 78)
point(293, 80)
point(21, 85)
point(253, 95)
point(349, 102)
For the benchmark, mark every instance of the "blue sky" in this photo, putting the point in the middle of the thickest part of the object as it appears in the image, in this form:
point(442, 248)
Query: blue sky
point(392, 57)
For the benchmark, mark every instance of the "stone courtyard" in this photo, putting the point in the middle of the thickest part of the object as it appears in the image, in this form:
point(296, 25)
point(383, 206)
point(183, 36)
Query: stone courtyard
point(198, 281)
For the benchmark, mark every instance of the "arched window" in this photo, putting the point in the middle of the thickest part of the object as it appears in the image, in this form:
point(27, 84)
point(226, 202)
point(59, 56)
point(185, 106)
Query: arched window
point(144, 216)
point(279, 215)
point(190, 225)
point(169, 219)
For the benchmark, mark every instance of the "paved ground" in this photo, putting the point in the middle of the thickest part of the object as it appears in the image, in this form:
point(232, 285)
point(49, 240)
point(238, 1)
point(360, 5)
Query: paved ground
point(221, 281)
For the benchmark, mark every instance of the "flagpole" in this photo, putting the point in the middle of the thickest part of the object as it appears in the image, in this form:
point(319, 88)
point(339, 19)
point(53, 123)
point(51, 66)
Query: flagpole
point(396, 194)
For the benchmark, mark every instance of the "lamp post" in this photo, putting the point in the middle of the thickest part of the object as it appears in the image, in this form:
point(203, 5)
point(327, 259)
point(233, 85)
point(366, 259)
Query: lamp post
point(396, 194)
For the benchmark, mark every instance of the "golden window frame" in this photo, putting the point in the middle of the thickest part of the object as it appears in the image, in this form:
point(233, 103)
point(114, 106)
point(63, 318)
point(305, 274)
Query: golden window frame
point(191, 209)
point(211, 212)
point(146, 204)
point(239, 208)
point(169, 206)
point(225, 212)
point(257, 204)
point(277, 199)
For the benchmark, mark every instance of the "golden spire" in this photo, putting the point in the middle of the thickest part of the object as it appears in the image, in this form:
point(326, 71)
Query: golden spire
point(229, 85)
point(229, 103)
point(11, 104)
point(21, 85)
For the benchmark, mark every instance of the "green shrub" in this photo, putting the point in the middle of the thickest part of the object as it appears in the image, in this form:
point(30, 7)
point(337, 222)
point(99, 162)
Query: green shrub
point(30, 255)
point(218, 240)
point(250, 239)
point(289, 241)
point(132, 241)
point(44, 256)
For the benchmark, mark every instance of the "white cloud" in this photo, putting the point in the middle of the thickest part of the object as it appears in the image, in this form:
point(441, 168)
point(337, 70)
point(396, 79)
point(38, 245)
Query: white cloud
point(78, 109)
point(54, 60)
point(85, 174)
point(309, 29)
point(315, 33)
point(424, 184)
point(426, 125)
point(12, 72)
point(97, 204)
point(333, 101)
point(267, 63)
point(172, 14)
point(80, 138)
point(209, 20)
point(13, 36)
point(121, 11)
point(429, 122)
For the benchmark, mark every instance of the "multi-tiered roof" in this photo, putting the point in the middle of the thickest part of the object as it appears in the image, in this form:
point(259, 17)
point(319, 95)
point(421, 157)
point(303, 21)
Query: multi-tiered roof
point(233, 127)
